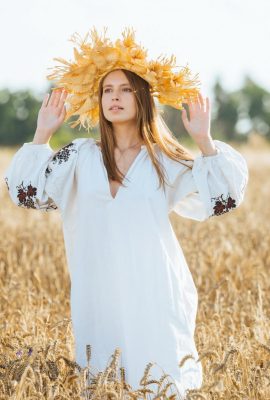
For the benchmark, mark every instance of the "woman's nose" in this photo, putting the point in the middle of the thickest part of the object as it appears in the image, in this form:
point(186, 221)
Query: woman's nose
point(115, 96)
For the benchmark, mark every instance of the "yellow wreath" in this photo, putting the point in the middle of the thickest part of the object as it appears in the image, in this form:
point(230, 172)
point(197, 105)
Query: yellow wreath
point(97, 56)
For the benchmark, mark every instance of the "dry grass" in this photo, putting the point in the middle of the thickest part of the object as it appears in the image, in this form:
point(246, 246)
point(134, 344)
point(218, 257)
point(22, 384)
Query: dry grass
point(229, 258)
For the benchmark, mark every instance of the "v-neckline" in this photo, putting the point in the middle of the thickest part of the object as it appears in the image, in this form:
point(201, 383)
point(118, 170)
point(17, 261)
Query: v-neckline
point(130, 169)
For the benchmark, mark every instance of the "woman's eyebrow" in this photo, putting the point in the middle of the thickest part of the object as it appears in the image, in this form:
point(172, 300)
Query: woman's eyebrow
point(122, 84)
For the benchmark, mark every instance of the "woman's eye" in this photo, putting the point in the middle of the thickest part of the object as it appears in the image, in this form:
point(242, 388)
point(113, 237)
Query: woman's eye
point(125, 89)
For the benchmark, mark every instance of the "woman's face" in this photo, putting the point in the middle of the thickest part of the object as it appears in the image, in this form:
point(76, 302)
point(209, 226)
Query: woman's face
point(117, 92)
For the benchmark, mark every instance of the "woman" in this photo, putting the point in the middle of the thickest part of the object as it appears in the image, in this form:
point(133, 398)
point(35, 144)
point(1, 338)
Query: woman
point(130, 284)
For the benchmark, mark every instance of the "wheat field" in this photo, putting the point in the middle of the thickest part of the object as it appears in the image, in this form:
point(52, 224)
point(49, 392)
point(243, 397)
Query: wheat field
point(229, 259)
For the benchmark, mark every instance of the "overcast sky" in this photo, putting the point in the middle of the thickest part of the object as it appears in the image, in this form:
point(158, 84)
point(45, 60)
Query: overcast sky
point(226, 38)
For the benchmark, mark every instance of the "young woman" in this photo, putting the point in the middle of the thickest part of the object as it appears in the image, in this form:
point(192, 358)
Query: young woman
point(130, 284)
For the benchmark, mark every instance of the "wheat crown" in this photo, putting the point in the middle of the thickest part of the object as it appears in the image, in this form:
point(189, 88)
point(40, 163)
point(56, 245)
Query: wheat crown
point(96, 55)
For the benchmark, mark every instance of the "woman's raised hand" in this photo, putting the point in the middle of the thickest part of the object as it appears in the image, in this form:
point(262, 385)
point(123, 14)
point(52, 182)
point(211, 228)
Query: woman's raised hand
point(198, 126)
point(51, 115)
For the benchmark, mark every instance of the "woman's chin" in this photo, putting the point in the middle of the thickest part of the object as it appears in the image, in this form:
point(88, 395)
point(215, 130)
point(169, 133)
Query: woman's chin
point(117, 119)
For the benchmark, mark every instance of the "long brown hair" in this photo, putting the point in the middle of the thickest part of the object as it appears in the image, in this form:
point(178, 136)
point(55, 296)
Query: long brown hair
point(148, 128)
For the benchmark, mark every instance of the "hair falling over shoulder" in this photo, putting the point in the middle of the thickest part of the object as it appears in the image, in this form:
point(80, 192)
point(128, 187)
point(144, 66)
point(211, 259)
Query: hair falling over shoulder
point(151, 126)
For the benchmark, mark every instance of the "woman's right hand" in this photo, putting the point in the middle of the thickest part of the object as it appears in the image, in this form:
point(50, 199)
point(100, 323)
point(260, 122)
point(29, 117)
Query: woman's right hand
point(51, 116)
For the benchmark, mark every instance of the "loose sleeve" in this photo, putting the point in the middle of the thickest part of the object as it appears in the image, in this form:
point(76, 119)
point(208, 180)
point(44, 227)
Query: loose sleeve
point(209, 185)
point(41, 179)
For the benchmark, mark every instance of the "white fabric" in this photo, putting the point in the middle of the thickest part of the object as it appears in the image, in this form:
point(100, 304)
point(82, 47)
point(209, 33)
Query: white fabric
point(130, 283)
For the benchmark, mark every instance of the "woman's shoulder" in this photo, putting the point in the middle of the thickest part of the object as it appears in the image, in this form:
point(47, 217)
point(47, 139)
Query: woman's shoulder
point(72, 150)
point(172, 163)
point(80, 145)
point(83, 142)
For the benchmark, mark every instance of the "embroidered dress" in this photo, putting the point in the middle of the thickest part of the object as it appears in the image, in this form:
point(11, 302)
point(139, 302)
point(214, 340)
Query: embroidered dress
point(130, 284)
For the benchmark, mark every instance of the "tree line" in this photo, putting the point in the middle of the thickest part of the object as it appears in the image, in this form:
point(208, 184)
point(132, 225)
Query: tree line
point(235, 115)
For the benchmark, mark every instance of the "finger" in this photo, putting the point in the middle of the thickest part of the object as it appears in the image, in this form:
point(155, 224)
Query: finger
point(63, 98)
point(191, 108)
point(57, 97)
point(62, 114)
point(51, 96)
point(184, 117)
point(201, 100)
point(196, 105)
point(45, 100)
point(61, 105)
point(62, 109)
point(56, 94)
point(208, 106)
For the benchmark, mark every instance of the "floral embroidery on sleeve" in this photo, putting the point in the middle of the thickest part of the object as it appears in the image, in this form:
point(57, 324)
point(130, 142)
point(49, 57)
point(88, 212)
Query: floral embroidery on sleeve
point(223, 205)
point(61, 156)
point(27, 198)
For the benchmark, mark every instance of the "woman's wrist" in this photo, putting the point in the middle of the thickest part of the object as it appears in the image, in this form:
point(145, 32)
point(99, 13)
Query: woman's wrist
point(41, 137)
point(207, 147)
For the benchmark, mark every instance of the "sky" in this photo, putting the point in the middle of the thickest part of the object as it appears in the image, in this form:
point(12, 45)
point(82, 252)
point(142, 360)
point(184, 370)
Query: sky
point(228, 39)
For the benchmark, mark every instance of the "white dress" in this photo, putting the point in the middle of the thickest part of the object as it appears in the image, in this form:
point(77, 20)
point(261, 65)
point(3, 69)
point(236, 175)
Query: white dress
point(130, 284)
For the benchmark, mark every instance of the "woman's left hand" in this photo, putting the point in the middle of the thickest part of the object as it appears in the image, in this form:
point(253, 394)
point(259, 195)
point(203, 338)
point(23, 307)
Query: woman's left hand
point(198, 126)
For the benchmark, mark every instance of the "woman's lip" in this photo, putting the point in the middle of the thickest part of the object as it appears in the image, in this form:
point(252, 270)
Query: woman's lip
point(116, 109)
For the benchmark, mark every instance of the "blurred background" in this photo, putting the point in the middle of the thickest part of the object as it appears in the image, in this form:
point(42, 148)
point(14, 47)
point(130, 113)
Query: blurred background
point(224, 41)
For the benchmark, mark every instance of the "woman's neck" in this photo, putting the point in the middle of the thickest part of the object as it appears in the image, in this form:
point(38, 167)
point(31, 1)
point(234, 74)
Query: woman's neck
point(126, 135)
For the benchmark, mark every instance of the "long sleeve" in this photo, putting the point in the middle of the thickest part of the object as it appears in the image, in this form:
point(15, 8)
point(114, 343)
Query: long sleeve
point(212, 186)
point(41, 179)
